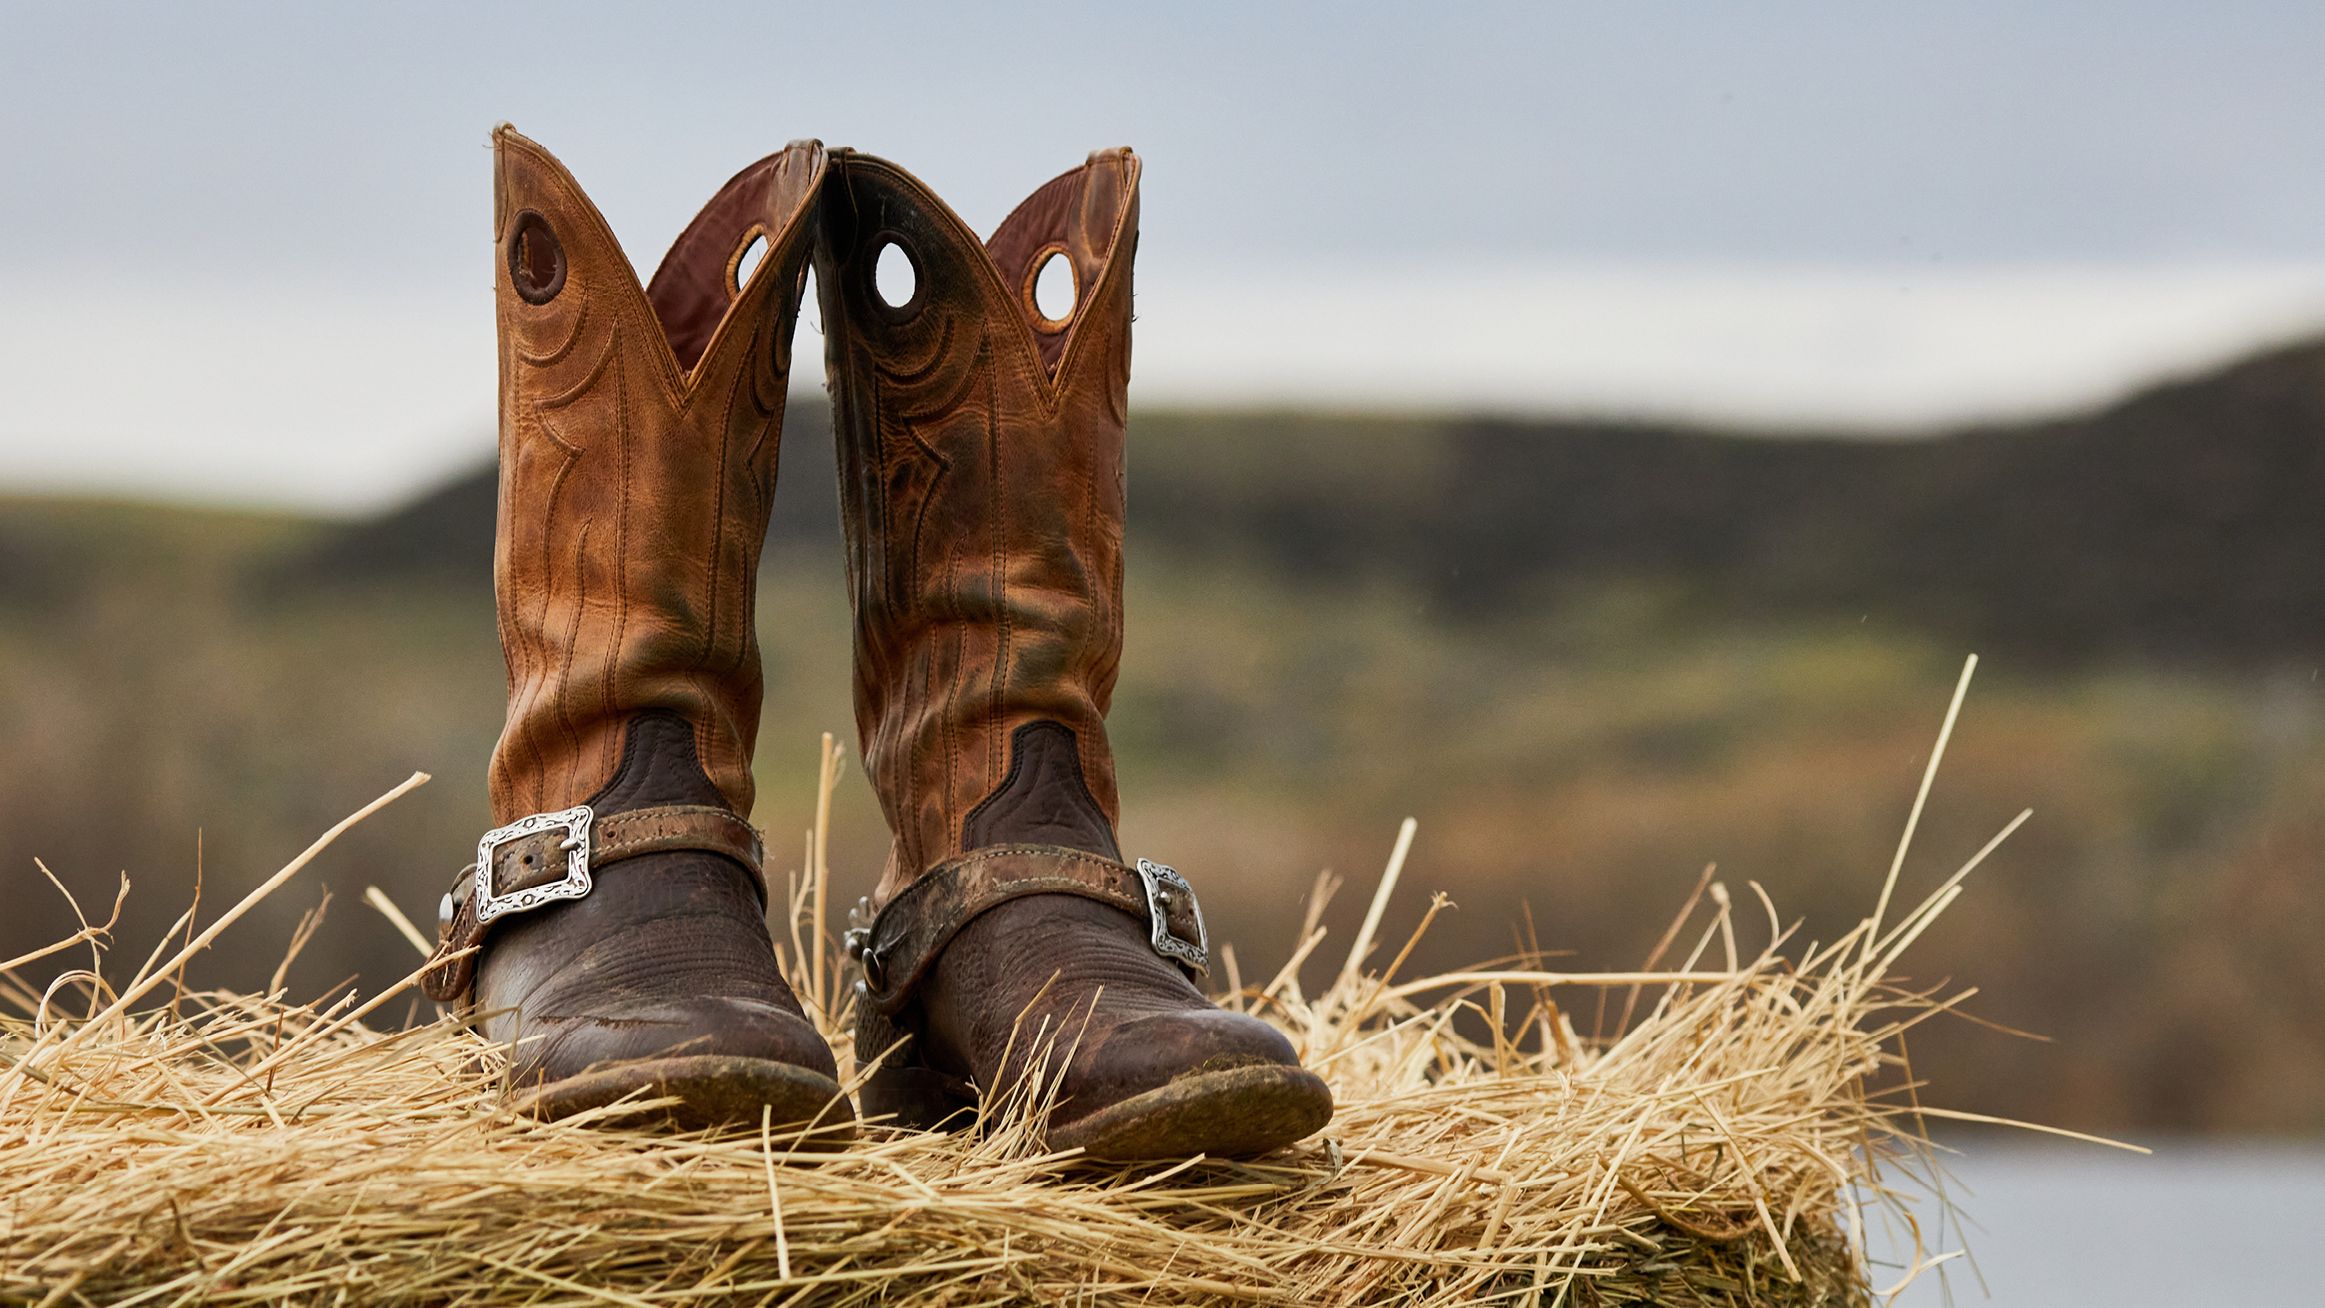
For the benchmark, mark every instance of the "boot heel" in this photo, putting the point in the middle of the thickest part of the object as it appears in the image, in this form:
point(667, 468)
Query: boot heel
point(902, 1092)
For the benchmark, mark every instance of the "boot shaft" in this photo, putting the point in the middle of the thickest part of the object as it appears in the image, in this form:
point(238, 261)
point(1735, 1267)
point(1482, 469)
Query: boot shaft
point(638, 436)
point(980, 447)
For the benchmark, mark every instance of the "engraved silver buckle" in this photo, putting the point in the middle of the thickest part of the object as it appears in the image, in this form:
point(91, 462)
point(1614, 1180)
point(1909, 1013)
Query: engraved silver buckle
point(1163, 887)
point(576, 822)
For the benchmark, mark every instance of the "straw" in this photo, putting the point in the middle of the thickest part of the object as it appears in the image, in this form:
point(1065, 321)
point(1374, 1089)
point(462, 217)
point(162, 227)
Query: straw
point(1726, 1148)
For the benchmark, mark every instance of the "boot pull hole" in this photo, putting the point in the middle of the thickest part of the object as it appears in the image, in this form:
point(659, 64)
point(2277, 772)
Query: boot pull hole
point(894, 278)
point(746, 260)
point(536, 259)
point(1054, 289)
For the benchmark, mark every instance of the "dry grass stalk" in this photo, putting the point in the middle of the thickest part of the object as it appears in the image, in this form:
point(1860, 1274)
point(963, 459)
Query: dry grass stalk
point(1728, 1147)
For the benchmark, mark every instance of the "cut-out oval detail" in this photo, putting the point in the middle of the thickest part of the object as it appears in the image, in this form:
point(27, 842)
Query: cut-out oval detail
point(746, 261)
point(536, 259)
point(1055, 289)
point(895, 278)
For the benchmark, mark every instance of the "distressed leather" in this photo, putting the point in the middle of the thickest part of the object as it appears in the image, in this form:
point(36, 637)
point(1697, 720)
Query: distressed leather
point(638, 441)
point(981, 481)
point(980, 449)
point(540, 859)
point(638, 437)
point(914, 928)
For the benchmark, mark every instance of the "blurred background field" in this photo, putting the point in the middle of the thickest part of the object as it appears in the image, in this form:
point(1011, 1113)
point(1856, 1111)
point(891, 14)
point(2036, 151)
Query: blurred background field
point(1590, 659)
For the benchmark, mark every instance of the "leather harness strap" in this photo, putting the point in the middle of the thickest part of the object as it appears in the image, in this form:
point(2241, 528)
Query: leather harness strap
point(903, 941)
point(538, 867)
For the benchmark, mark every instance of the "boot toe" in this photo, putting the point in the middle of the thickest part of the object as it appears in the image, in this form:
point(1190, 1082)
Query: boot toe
point(553, 1046)
point(724, 1059)
point(1150, 1052)
point(1180, 1084)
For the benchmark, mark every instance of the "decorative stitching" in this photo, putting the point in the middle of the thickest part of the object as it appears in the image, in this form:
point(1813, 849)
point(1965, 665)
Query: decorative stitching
point(553, 740)
point(677, 384)
point(718, 527)
point(572, 338)
point(621, 553)
point(950, 725)
point(1048, 386)
point(572, 394)
point(565, 664)
point(998, 523)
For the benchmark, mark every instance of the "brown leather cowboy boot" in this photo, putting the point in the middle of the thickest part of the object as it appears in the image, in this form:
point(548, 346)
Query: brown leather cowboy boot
point(618, 913)
point(981, 462)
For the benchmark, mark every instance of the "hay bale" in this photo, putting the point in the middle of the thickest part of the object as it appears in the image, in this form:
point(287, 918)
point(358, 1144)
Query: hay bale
point(240, 1148)
point(1727, 1144)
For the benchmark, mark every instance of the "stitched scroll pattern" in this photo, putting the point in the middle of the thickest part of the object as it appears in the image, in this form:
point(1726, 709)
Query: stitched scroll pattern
point(633, 504)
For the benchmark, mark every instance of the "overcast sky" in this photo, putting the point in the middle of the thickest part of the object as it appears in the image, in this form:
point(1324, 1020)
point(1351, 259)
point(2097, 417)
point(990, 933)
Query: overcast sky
point(245, 249)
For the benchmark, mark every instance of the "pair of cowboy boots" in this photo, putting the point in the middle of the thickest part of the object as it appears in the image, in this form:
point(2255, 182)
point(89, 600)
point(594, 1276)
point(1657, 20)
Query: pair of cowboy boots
point(613, 928)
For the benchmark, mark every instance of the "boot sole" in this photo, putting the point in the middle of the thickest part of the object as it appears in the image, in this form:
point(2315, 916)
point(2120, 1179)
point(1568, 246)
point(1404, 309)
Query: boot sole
point(1235, 1113)
point(711, 1089)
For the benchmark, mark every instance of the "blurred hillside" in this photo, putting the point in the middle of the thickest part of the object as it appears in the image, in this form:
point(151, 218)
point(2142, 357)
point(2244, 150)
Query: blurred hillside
point(1590, 657)
point(2182, 523)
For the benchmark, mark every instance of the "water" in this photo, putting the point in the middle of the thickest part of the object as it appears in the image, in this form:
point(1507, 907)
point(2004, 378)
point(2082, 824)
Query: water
point(2196, 1223)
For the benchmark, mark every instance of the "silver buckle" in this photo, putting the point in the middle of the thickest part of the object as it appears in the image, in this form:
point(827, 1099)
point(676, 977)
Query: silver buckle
point(576, 821)
point(1163, 887)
